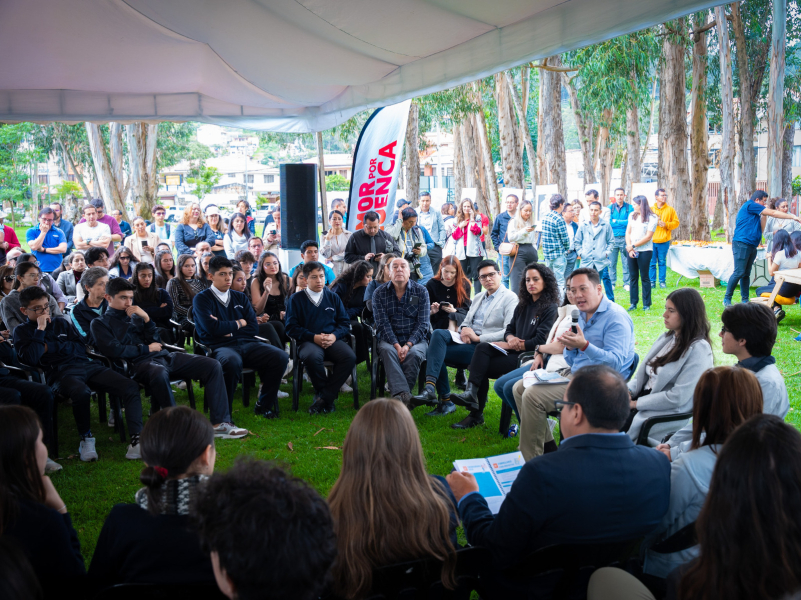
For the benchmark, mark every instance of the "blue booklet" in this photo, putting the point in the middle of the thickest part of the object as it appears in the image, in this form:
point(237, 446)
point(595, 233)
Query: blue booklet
point(494, 475)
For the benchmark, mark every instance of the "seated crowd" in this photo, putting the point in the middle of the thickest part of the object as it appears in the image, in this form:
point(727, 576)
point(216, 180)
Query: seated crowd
point(721, 460)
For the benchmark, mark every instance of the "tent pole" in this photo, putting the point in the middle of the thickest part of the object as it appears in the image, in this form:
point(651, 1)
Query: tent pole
point(321, 176)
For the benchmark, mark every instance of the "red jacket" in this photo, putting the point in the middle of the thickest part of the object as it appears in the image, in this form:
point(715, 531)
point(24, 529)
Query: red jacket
point(11, 237)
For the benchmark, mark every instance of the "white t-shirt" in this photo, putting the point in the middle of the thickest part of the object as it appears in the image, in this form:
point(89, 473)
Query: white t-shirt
point(162, 233)
point(639, 230)
point(90, 234)
point(786, 263)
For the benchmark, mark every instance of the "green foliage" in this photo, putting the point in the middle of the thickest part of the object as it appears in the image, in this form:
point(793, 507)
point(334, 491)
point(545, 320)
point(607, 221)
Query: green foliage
point(177, 142)
point(796, 185)
point(336, 183)
point(67, 188)
point(204, 179)
point(21, 145)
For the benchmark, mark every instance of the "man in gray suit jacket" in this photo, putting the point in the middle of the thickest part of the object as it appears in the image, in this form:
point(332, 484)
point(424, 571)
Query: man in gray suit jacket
point(486, 321)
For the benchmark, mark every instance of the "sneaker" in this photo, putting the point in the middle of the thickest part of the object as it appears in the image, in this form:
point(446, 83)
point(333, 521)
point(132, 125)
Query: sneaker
point(86, 449)
point(726, 303)
point(552, 424)
point(111, 419)
point(632, 307)
point(52, 466)
point(133, 452)
point(779, 314)
point(646, 308)
point(229, 431)
point(282, 394)
point(317, 407)
point(289, 366)
point(306, 378)
point(662, 285)
point(181, 385)
point(346, 388)
point(627, 288)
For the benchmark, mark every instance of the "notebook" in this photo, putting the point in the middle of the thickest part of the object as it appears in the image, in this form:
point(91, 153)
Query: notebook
point(494, 475)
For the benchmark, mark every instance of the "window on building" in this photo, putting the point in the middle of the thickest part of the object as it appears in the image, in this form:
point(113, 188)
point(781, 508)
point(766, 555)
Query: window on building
point(269, 179)
point(797, 156)
point(43, 178)
point(450, 171)
point(250, 178)
point(327, 173)
point(231, 175)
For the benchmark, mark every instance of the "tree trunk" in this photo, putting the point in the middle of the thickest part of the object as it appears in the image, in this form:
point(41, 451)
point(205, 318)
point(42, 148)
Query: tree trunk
point(525, 74)
point(142, 141)
point(602, 156)
point(481, 172)
point(727, 194)
point(674, 172)
point(776, 98)
point(699, 138)
point(650, 123)
point(787, 161)
point(532, 158)
point(552, 126)
point(105, 180)
point(117, 155)
point(624, 179)
point(471, 165)
point(632, 166)
point(584, 127)
point(458, 164)
point(508, 135)
point(486, 152)
point(542, 170)
point(321, 180)
point(413, 156)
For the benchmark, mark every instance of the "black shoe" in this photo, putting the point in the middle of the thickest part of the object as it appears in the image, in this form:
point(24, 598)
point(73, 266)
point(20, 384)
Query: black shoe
point(632, 307)
point(469, 421)
point(646, 308)
point(428, 397)
point(779, 314)
point(550, 447)
point(317, 407)
point(461, 381)
point(443, 408)
point(468, 399)
point(263, 411)
point(405, 398)
point(328, 409)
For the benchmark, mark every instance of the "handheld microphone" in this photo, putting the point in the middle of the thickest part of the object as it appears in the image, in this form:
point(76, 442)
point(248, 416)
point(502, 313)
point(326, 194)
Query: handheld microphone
point(575, 316)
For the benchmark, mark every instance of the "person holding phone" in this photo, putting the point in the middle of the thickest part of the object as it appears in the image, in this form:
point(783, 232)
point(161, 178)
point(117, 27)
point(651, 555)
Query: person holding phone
point(414, 242)
point(142, 242)
point(521, 231)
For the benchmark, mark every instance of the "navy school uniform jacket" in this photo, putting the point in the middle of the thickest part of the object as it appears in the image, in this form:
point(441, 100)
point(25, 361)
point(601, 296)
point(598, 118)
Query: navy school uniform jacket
point(215, 333)
point(304, 320)
point(65, 347)
point(117, 335)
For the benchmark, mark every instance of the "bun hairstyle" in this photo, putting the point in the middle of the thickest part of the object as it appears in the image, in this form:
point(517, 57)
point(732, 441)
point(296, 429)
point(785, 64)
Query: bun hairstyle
point(171, 441)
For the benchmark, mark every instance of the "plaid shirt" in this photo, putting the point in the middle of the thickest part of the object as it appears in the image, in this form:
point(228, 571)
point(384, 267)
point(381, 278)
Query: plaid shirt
point(555, 240)
point(404, 319)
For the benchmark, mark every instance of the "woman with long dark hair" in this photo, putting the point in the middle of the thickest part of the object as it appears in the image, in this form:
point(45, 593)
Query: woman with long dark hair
point(184, 287)
point(640, 248)
point(238, 236)
point(666, 378)
point(122, 263)
point(784, 255)
point(449, 293)
point(165, 268)
point(724, 398)
point(269, 291)
point(150, 541)
point(386, 508)
point(153, 300)
point(203, 269)
point(69, 280)
point(772, 224)
point(335, 241)
point(538, 297)
point(350, 286)
point(382, 276)
point(31, 511)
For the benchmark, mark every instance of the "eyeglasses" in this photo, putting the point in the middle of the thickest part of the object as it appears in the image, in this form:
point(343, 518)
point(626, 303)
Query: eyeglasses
point(33, 275)
point(8, 278)
point(38, 310)
point(125, 258)
point(159, 214)
point(488, 276)
point(560, 404)
point(723, 330)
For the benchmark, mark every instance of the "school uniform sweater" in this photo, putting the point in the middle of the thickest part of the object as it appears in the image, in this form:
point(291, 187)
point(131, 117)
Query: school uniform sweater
point(305, 319)
point(119, 336)
point(64, 346)
point(215, 333)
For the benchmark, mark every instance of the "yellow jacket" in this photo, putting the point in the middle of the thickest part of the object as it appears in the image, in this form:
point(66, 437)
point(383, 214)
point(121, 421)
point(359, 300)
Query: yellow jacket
point(671, 220)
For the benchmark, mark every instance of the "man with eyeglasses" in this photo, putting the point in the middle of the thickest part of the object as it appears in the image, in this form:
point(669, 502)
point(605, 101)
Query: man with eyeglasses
point(28, 274)
point(63, 224)
point(604, 335)
point(159, 226)
point(46, 281)
point(402, 310)
point(47, 242)
point(599, 487)
point(486, 321)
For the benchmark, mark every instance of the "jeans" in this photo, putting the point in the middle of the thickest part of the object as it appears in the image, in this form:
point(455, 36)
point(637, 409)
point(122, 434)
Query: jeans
point(659, 257)
point(401, 376)
point(341, 354)
point(435, 257)
point(618, 247)
point(609, 287)
point(638, 269)
point(557, 265)
point(268, 361)
point(505, 271)
point(443, 349)
point(570, 263)
point(744, 257)
point(504, 387)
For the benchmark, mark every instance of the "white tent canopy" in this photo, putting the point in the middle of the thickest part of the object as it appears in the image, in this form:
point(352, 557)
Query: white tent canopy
point(283, 65)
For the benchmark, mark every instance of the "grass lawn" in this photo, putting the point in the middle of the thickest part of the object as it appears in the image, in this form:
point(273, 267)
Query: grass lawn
point(299, 440)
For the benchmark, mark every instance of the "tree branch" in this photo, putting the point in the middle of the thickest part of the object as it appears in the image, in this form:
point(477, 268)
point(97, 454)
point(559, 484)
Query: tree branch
point(706, 27)
point(556, 69)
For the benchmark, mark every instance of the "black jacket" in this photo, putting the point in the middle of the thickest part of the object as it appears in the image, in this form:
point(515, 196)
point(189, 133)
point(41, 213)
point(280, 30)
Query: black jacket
point(64, 346)
point(117, 335)
point(82, 316)
point(532, 323)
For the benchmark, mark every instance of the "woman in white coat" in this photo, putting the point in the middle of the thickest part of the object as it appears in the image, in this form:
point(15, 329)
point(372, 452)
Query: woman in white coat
point(666, 379)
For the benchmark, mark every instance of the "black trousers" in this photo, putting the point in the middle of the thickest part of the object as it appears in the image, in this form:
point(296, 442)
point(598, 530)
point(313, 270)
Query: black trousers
point(268, 361)
point(77, 382)
point(638, 269)
point(267, 331)
point(339, 353)
point(435, 256)
point(488, 363)
point(36, 396)
point(364, 340)
point(157, 373)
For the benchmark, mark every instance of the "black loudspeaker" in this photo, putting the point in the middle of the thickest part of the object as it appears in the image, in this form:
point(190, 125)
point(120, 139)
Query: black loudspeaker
point(298, 204)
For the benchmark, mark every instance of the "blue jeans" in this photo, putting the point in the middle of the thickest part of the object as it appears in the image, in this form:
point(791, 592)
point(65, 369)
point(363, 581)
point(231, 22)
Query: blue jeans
point(443, 349)
point(744, 257)
point(659, 257)
point(557, 265)
point(570, 263)
point(505, 270)
point(619, 248)
point(609, 287)
point(504, 385)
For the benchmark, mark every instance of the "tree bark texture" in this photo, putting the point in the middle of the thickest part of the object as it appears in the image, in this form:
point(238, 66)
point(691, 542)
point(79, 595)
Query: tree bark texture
point(142, 142)
point(699, 139)
point(530, 153)
point(412, 184)
point(552, 126)
point(321, 180)
point(486, 152)
point(117, 154)
point(674, 172)
point(787, 161)
point(776, 98)
point(602, 151)
point(542, 169)
point(632, 164)
point(471, 165)
point(105, 180)
point(727, 194)
point(584, 127)
point(458, 164)
point(525, 74)
point(508, 135)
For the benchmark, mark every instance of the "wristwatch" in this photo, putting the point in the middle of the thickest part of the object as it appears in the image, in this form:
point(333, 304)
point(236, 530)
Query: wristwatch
point(537, 350)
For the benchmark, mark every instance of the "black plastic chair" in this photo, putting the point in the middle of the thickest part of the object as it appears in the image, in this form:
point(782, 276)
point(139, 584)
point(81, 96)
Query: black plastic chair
point(153, 591)
point(648, 424)
point(506, 410)
point(420, 579)
point(559, 572)
point(684, 539)
point(297, 374)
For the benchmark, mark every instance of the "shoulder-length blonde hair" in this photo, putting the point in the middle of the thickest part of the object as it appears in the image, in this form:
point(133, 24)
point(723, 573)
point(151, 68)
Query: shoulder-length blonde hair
point(460, 215)
point(386, 508)
point(188, 214)
point(519, 222)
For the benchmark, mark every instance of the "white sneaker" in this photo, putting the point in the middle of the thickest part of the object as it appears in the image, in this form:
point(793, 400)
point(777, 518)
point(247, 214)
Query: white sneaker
point(86, 450)
point(346, 388)
point(181, 385)
point(627, 288)
point(349, 381)
point(52, 466)
point(306, 377)
point(289, 366)
point(229, 431)
point(133, 452)
point(111, 419)
point(282, 394)
point(551, 424)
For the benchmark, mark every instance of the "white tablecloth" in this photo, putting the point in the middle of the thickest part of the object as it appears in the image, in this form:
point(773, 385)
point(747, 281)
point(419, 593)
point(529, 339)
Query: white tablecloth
point(688, 260)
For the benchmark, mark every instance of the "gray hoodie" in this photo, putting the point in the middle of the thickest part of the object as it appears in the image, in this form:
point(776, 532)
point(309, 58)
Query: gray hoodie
point(690, 474)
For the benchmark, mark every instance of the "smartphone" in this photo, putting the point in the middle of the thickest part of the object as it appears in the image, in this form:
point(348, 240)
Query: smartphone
point(418, 245)
point(144, 243)
point(378, 256)
point(445, 304)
